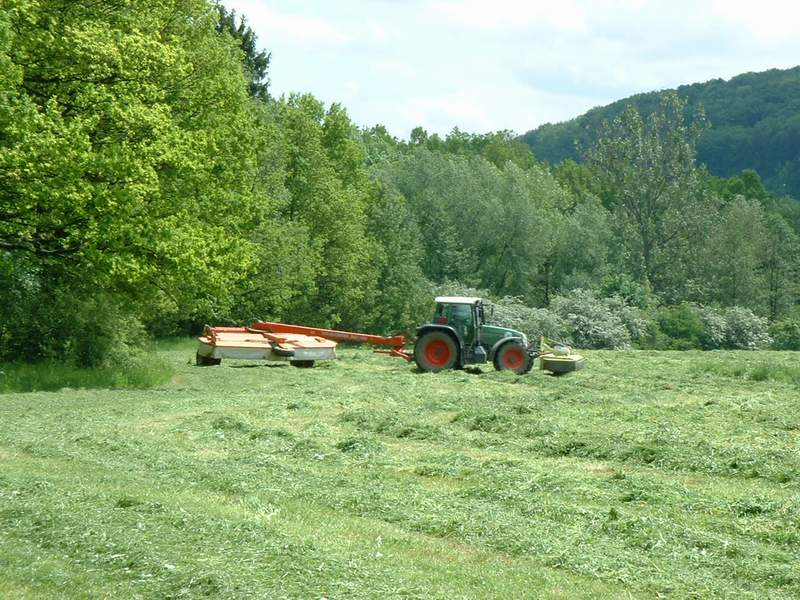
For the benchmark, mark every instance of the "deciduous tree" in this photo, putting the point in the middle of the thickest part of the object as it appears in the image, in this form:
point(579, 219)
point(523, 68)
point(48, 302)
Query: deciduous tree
point(646, 175)
point(128, 148)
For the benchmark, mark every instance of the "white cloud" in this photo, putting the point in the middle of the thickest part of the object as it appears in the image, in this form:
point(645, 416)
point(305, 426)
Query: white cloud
point(393, 68)
point(510, 64)
point(566, 15)
point(767, 20)
point(482, 110)
point(377, 31)
point(294, 27)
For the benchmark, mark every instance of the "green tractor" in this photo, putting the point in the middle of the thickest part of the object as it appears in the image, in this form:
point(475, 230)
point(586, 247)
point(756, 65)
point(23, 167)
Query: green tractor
point(458, 335)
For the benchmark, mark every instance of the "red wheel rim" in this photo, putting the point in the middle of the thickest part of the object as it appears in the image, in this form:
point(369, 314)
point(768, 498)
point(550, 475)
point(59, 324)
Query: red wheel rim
point(437, 353)
point(513, 358)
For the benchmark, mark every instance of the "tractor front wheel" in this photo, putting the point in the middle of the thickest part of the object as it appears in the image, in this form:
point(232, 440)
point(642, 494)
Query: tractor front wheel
point(435, 351)
point(512, 356)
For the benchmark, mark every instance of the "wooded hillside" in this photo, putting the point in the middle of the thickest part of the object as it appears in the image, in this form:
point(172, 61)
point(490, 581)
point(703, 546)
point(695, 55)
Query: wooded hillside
point(754, 118)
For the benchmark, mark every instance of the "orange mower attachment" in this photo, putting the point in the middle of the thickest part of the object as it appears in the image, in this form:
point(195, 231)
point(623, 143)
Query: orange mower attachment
point(248, 343)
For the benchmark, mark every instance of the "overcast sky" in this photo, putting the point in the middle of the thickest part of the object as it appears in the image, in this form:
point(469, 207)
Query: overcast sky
point(509, 64)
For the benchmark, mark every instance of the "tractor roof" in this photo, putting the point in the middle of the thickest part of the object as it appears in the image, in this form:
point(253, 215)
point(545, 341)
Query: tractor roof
point(457, 300)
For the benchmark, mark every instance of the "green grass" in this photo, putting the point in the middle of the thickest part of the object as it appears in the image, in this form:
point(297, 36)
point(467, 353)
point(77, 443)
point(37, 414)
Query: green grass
point(50, 376)
point(648, 474)
point(756, 369)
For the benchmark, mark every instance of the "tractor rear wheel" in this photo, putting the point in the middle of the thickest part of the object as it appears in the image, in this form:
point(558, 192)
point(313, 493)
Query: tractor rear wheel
point(435, 351)
point(512, 356)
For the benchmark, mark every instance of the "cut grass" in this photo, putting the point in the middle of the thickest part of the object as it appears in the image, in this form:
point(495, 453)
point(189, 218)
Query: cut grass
point(648, 474)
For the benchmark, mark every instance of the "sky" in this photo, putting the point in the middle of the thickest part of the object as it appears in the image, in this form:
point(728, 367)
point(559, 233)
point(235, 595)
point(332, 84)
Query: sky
point(488, 65)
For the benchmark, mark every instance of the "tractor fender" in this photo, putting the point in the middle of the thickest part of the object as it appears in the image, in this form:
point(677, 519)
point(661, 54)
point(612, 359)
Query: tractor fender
point(449, 331)
point(499, 343)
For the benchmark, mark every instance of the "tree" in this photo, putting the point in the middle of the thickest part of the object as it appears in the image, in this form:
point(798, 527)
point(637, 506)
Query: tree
point(499, 147)
point(418, 136)
point(329, 194)
point(380, 146)
point(403, 293)
point(443, 198)
point(256, 62)
point(578, 255)
point(646, 175)
point(498, 228)
point(781, 266)
point(518, 233)
point(578, 179)
point(732, 253)
point(748, 185)
point(128, 147)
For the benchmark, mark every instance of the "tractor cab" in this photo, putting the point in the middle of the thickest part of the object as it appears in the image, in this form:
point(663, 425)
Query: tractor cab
point(458, 335)
point(465, 315)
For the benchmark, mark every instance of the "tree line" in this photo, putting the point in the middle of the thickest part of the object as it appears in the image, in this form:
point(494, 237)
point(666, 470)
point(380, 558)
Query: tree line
point(149, 183)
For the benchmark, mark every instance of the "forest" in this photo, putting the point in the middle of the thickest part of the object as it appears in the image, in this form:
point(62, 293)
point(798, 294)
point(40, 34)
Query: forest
point(150, 183)
point(753, 119)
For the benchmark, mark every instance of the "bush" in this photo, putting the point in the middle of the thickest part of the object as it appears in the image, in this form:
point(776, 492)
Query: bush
point(745, 330)
point(715, 328)
point(534, 322)
point(65, 322)
point(785, 334)
point(103, 335)
point(630, 315)
point(655, 339)
point(627, 288)
point(686, 326)
point(682, 325)
point(598, 323)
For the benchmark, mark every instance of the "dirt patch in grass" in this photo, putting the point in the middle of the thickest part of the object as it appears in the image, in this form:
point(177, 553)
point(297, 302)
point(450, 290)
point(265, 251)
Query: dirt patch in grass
point(211, 453)
point(7, 454)
point(598, 468)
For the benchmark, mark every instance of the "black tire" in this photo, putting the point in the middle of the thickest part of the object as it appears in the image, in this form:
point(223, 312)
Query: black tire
point(435, 351)
point(512, 356)
point(302, 364)
point(206, 361)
